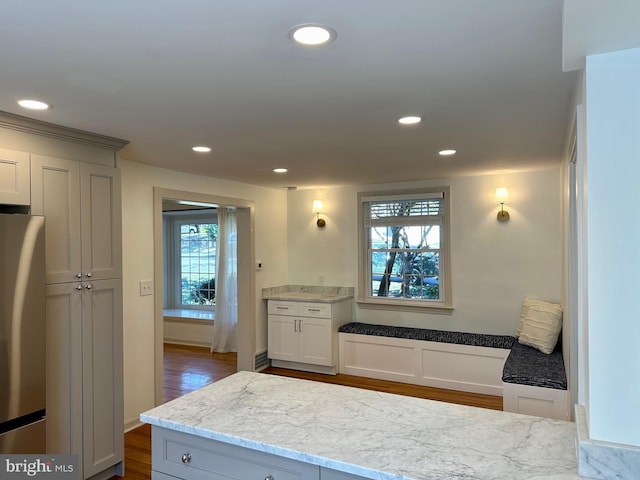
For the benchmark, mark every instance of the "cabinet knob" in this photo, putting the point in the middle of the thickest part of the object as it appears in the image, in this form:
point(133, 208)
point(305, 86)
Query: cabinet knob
point(89, 275)
point(186, 457)
point(88, 286)
point(79, 287)
point(269, 477)
point(78, 275)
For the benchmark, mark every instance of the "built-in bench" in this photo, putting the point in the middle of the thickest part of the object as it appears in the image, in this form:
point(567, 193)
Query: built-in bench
point(530, 382)
point(535, 383)
point(470, 362)
point(188, 326)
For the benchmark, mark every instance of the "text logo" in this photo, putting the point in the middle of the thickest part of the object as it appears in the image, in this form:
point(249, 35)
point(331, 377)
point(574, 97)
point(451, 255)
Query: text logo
point(52, 467)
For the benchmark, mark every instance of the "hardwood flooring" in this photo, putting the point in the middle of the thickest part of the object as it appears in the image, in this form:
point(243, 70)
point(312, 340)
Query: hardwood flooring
point(189, 368)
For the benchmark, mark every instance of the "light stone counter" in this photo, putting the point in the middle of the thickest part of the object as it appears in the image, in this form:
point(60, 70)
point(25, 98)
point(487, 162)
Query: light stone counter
point(372, 434)
point(309, 293)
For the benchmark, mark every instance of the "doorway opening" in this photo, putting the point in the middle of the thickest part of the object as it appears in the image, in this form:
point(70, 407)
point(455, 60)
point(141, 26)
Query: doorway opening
point(245, 329)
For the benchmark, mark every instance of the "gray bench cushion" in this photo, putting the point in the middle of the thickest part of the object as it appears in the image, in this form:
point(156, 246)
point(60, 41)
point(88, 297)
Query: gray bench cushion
point(460, 338)
point(528, 366)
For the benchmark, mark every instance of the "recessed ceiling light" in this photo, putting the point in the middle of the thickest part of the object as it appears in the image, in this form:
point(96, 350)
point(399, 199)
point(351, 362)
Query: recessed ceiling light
point(280, 170)
point(409, 120)
point(33, 104)
point(445, 153)
point(201, 149)
point(312, 34)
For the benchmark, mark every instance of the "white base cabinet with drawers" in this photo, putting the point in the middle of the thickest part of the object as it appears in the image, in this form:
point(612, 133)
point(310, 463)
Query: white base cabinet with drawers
point(304, 335)
point(184, 456)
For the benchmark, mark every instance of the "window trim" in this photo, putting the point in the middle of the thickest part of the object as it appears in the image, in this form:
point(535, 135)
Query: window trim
point(365, 300)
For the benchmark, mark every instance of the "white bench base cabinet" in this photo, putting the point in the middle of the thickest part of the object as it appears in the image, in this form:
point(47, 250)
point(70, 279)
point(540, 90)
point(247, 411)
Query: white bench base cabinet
point(434, 364)
point(538, 401)
point(184, 456)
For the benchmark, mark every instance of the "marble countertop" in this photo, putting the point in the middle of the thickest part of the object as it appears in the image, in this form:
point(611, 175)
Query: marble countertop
point(373, 434)
point(310, 293)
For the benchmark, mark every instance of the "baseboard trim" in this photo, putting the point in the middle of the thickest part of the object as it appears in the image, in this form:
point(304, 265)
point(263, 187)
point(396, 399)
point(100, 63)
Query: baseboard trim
point(178, 341)
point(132, 425)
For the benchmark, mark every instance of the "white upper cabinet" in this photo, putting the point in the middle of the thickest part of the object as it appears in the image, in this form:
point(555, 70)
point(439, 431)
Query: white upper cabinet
point(81, 203)
point(14, 177)
point(101, 221)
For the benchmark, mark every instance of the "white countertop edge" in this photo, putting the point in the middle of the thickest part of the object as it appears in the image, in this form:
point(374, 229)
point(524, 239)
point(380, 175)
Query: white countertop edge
point(273, 449)
point(308, 297)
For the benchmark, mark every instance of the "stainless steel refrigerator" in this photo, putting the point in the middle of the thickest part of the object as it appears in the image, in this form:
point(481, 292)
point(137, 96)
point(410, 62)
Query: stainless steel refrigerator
point(22, 334)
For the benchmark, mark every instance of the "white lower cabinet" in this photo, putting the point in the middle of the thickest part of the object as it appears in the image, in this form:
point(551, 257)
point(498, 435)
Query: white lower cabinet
point(84, 373)
point(306, 340)
point(179, 455)
point(304, 335)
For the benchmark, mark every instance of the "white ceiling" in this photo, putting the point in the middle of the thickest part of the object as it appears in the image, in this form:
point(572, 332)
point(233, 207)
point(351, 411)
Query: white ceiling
point(591, 27)
point(485, 75)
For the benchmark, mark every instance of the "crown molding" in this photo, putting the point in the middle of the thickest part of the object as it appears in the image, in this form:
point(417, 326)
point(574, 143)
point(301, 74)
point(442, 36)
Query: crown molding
point(38, 127)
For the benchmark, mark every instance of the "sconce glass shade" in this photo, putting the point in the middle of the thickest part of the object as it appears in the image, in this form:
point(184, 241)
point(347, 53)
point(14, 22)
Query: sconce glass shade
point(317, 206)
point(502, 195)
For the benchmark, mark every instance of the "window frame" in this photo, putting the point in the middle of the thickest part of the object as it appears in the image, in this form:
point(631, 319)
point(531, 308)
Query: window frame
point(172, 285)
point(365, 297)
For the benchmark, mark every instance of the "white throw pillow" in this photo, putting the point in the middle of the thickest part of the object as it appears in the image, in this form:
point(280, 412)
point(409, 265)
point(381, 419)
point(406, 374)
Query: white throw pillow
point(541, 327)
point(527, 303)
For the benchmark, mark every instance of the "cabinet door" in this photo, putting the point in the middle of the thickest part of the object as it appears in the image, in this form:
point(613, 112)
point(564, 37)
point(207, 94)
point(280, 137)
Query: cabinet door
point(315, 341)
point(283, 338)
point(15, 187)
point(64, 369)
point(101, 214)
point(103, 425)
point(55, 193)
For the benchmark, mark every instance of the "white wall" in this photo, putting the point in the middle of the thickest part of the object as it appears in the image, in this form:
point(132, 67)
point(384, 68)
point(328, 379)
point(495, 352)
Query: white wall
point(138, 182)
point(613, 258)
point(494, 265)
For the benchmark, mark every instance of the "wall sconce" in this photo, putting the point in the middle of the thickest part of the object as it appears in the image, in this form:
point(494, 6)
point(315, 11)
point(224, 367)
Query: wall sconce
point(502, 197)
point(317, 209)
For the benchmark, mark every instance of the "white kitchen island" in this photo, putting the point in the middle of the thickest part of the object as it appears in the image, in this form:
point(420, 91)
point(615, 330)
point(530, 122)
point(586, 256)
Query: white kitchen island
point(253, 425)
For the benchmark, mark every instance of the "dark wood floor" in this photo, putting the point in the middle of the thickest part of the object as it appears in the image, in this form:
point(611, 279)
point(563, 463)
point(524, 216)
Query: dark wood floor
point(188, 368)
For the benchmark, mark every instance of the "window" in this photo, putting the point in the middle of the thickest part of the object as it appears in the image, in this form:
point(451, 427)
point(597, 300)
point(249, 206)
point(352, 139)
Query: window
point(404, 258)
point(197, 263)
point(190, 260)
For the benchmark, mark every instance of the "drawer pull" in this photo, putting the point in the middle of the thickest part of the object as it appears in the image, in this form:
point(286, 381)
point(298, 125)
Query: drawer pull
point(313, 309)
point(186, 458)
point(282, 308)
point(270, 477)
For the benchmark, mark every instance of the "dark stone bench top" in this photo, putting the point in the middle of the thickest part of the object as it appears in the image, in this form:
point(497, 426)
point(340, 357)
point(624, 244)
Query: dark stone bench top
point(460, 338)
point(528, 366)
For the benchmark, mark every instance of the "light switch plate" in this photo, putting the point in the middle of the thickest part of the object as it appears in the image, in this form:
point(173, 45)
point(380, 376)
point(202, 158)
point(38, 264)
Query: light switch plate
point(146, 287)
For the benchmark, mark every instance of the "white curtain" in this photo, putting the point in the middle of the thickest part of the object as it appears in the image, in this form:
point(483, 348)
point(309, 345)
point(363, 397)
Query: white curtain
point(224, 325)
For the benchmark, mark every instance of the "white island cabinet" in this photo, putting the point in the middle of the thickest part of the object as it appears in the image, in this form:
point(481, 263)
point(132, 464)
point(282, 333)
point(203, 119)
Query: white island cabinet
point(258, 426)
